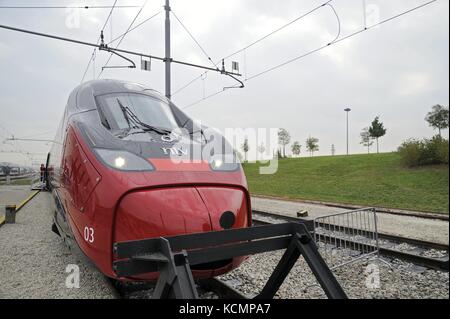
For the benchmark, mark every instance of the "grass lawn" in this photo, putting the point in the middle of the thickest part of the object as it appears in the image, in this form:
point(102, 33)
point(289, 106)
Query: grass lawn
point(367, 180)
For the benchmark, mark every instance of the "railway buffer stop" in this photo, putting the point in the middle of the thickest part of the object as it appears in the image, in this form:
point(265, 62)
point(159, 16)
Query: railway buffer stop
point(172, 257)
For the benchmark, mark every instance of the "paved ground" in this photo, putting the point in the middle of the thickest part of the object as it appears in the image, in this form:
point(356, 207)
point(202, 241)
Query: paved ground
point(11, 195)
point(412, 227)
point(33, 259)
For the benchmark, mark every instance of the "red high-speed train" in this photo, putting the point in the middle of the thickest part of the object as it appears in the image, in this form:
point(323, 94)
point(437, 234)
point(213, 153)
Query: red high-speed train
point(115, 177)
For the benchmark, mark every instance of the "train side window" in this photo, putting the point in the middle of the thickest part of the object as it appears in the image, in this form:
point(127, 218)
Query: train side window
point(103, 118)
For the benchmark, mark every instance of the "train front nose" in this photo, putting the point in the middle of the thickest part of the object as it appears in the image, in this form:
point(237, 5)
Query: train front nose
point(175, 211)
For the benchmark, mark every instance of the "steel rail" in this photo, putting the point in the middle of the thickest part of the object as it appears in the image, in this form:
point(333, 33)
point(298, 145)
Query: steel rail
point(221, 288)
point(389, 237)
point(433, 263)
point(383, 210)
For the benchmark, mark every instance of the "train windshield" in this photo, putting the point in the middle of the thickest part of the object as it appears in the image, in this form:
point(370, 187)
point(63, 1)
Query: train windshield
point(131, 110)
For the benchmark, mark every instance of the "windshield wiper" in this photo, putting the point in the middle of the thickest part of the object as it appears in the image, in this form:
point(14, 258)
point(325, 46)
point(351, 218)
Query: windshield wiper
point(125, 114)
point(130, 117)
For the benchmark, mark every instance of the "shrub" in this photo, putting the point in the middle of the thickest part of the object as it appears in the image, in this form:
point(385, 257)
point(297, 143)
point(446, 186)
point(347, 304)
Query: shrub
point(410, 152)
point(442, 150)
point(426, 152)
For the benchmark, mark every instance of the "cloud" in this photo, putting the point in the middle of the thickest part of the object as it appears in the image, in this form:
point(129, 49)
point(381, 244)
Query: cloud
point(398, 70)
point(414, 84)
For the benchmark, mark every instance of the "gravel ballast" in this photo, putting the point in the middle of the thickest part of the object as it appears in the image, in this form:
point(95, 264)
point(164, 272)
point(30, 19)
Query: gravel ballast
point(397, 279)
point(33, 259)
point(33, 263)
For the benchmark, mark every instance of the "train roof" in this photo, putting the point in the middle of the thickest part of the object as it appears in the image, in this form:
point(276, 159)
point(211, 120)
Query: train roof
point(82, 97)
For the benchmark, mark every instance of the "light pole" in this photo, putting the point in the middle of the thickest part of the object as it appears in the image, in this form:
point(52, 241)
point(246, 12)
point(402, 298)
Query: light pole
point(348, 111)
point(168, 58)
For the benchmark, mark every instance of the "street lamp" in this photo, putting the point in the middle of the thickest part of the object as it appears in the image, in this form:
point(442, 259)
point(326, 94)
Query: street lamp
point(348, 111)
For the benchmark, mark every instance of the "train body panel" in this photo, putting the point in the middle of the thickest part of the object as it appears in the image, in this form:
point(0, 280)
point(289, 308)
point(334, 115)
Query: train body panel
point(116, 178)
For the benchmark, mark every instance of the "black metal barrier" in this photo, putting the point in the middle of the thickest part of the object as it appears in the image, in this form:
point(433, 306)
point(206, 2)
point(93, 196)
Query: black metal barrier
point(172, 257)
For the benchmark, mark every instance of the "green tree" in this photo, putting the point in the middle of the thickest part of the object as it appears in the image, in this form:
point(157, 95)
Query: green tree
point(279, 155)
point(296, 148)
point(284, 138)
point(366, 139)
point(312, 145)
point(377, 130)
point(245, 148)
point(438, 118)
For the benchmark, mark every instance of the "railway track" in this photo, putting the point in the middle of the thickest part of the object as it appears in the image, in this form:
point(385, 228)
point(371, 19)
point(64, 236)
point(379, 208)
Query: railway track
point(216, 288)
point(137, 290)
point(416, 253)
point(222, 289)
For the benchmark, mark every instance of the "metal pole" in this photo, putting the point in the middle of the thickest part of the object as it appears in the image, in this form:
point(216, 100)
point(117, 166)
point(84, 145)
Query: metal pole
point(347, 133)
point(376, 231)
point(10, 214)
point(365, 14)
point(167, 59)
point(348, 111)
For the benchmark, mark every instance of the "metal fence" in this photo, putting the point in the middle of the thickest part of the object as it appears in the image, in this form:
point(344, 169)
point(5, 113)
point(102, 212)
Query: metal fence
point(13, 180)
point(347, 237)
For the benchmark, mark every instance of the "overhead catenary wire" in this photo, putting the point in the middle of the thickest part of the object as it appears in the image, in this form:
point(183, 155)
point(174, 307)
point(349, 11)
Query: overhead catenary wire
point(98, 41)
point(278, 29)
point(70, 7)
point(117, 38)
point(194, 39)
point(140, 54)
point(271, 69)
point(134, 28)
point(255, 42)
point(13, 145)
point(337, 40)
point(342, 39)
point(123, 37)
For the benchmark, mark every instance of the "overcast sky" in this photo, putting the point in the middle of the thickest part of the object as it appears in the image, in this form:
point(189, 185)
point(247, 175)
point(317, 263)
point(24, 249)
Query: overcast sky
point(397, 71)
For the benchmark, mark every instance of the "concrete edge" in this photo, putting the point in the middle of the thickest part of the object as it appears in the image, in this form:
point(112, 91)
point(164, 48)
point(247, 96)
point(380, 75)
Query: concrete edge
point(392, 211)
point(26, 200)
point(20, 206)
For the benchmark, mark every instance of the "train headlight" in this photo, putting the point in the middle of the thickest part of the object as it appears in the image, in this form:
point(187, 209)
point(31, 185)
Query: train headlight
point(224, 163)
point(123, 160)
point(217, 163)
point(119, 162)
